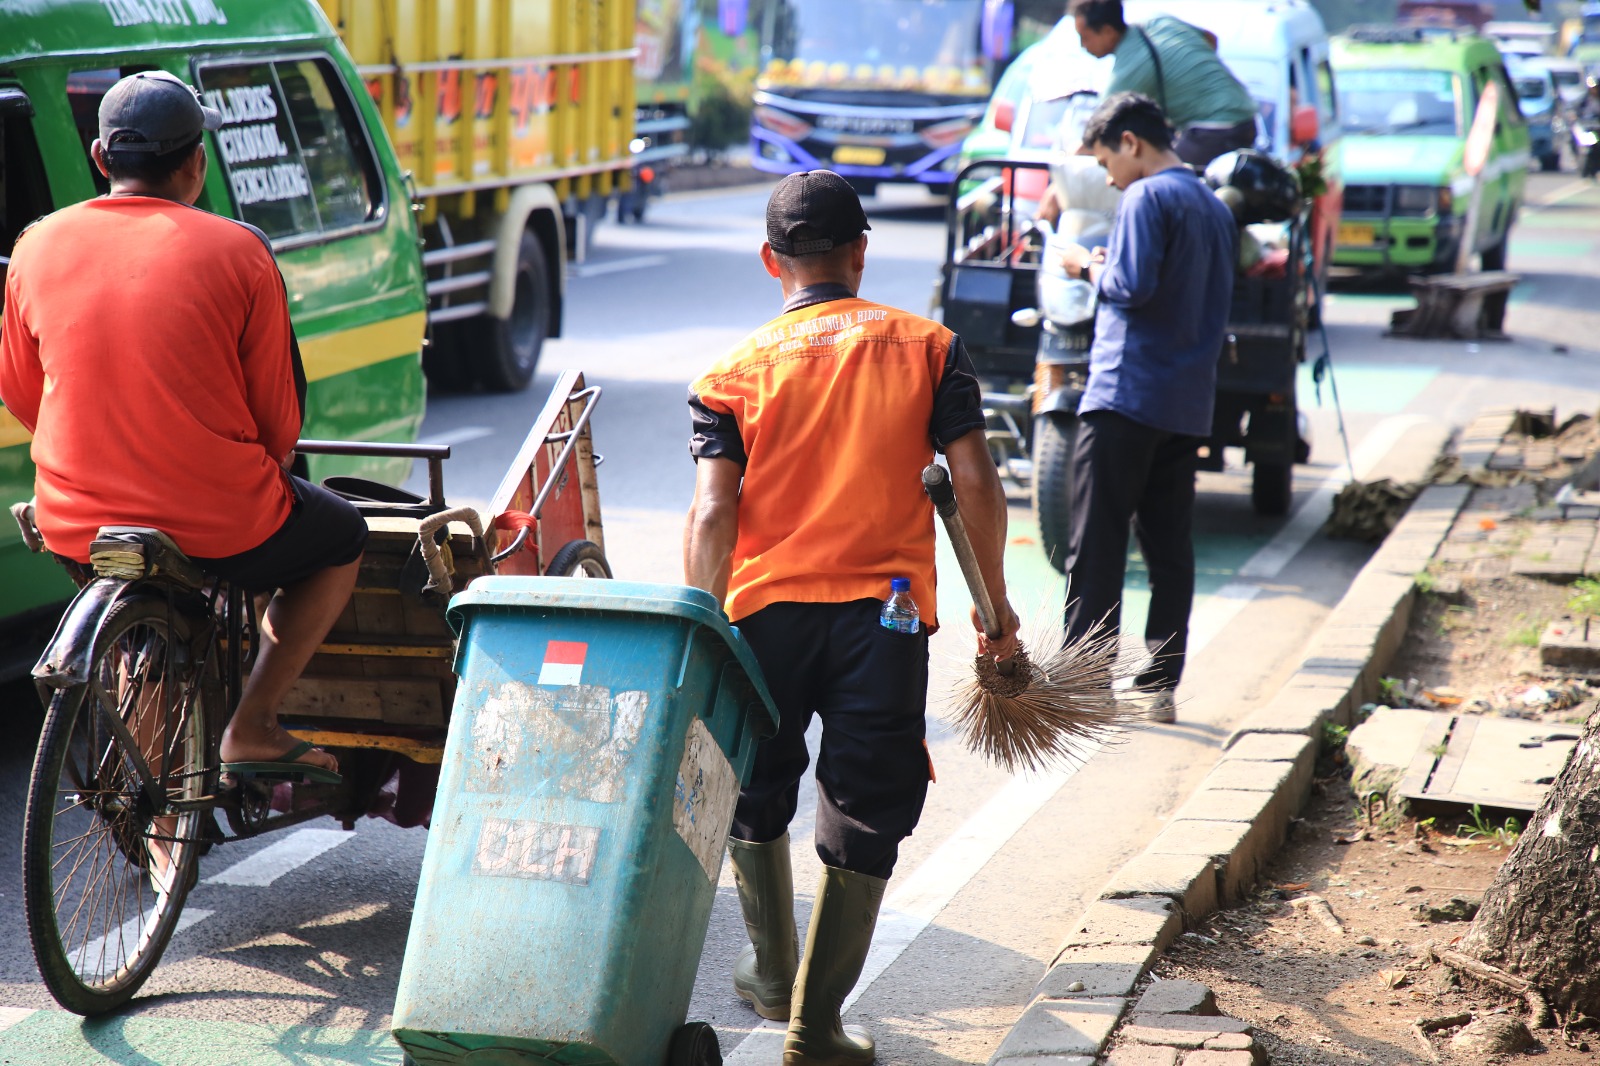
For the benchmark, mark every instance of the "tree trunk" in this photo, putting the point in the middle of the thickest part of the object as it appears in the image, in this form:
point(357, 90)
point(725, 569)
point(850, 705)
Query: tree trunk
point(1540, 918)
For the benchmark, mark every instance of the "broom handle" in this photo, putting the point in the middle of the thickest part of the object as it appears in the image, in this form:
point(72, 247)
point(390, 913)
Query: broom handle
point(936, 483)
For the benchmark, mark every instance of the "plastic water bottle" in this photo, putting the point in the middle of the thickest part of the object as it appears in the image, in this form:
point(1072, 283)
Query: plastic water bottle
point(900, 610)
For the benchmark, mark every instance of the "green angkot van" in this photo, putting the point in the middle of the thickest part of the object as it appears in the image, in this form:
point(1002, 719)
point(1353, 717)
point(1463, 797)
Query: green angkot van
point(1407, 98)
point(303, 155)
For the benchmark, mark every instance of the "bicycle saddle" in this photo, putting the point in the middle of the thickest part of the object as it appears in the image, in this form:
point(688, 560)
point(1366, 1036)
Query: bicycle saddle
point(134, 552)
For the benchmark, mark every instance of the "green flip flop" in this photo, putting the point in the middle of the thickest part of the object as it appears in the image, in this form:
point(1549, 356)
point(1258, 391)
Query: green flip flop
point(285, 768)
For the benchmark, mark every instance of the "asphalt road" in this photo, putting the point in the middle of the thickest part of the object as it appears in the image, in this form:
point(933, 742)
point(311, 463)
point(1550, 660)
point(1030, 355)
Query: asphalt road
point(294, 943)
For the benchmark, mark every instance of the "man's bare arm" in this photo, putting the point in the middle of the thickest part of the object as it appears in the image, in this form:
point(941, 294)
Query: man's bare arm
point(983, 510)
point(712, 527)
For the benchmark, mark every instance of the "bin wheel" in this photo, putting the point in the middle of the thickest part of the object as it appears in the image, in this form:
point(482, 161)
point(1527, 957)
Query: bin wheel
point(579, 558)
point(1055, 437)
point(1272, 488)
point(694, 1044)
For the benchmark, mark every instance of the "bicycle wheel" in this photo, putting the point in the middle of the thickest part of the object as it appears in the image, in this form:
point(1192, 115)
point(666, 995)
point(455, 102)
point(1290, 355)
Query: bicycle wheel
point(97, 913)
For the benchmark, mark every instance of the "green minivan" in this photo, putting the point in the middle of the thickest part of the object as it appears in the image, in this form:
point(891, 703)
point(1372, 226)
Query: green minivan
point(1408, 96)
point(328, 193)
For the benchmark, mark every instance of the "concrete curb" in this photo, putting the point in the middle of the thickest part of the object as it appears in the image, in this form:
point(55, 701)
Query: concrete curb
point(1211, 852)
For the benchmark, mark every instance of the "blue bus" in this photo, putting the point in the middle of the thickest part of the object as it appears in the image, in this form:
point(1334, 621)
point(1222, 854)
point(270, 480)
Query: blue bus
point(881, 90)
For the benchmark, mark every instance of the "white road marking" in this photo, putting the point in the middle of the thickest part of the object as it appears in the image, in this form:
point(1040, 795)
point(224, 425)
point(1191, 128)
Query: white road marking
point(618, 266)
point(918, 899)
point(1566, 192)
point(129, 932)
point(275, 860)
point(452, 437)
point(10, 1016)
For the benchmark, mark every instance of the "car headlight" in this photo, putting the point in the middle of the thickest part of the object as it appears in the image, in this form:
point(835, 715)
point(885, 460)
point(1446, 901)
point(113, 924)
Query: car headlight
point(1421, 199)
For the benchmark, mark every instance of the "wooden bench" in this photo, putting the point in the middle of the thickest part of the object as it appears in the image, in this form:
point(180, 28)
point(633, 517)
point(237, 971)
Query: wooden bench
point(1456, 306)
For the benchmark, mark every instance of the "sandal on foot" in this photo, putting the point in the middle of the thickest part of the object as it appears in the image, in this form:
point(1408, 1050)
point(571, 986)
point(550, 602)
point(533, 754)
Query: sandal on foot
point(284, 768)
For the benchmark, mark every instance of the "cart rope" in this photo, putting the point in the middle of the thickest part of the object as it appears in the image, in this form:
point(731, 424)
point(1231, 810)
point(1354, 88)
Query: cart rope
point(438, 557)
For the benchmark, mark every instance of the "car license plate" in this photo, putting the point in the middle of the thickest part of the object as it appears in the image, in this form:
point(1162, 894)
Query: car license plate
point(1357, 233)
point(858, 155)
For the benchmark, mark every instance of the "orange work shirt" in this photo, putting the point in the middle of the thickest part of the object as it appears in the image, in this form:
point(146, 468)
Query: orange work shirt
point(833, 408)
point(146, 345)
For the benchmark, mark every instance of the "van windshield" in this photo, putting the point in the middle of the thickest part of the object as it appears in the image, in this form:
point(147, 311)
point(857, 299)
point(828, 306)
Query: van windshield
point(1566, 79)
point(1400, 101)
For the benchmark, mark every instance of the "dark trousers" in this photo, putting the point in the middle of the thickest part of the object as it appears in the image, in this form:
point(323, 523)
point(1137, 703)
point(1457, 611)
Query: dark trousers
point(1126, 472)
point(1199, 145)
point(870, 687)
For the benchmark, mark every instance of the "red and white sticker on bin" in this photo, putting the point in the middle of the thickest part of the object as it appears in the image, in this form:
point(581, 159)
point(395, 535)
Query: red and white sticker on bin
point(563, 663)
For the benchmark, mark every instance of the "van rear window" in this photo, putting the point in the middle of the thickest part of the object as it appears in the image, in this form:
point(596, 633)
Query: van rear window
point(292, 149)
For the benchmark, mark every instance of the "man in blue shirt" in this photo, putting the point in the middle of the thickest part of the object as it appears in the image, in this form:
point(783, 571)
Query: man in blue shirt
point(1165, 283)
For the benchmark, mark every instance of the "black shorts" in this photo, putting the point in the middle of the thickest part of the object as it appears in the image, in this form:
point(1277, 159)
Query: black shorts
point(322, 531)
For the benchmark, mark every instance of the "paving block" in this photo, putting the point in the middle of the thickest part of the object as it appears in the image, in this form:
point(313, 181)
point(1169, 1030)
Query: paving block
point(1062, 1027)
point(1570, 642)
point(1190, 881)
point(1143, 1055)
point(1045, 1060)
point(1103, 970)
point(1176, 997)
point(1238, 848)
point(1138, 920)
point(1285, 747)
point(1251, 776)
point(1179, 1030)
point(1231, 1042)
point(1218, 1058)
point(1226, 805)
point(1287, 712)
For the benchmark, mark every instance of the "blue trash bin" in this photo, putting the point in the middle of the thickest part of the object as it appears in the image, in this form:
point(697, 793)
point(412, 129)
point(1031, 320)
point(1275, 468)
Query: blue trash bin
point(600, 732)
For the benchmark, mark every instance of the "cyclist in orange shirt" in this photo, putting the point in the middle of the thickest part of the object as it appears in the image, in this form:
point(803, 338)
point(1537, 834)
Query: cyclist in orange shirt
point(809, 443)
point(147, 347)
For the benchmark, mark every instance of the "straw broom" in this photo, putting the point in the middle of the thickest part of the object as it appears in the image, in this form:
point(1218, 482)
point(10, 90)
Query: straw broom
point(1027, 714)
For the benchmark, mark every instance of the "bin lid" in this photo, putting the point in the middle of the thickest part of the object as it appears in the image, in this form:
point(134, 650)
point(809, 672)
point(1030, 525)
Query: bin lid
point(522, 592)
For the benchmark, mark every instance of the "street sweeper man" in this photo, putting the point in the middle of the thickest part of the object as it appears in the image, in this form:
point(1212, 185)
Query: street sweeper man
point(809, 440)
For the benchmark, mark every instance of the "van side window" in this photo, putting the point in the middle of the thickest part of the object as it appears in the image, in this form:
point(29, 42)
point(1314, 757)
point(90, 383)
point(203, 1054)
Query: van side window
point(293, 151)
point(24, 191)
point(85, 90)
point(1327, 99)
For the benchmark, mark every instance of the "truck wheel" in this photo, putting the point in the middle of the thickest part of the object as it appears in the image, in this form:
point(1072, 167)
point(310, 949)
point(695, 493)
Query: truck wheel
point(1272, 488)
point(1055, 437)
point(510, 353)
point(579, 558)
point(451, 355)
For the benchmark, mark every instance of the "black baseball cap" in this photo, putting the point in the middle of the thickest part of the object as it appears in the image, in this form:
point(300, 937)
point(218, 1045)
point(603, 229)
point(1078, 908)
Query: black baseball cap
point(813, 211)
point(153, 113)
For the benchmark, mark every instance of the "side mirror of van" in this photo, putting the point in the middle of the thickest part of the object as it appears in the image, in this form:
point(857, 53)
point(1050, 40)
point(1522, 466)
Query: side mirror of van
point(1005, 115)
point(1304, 126)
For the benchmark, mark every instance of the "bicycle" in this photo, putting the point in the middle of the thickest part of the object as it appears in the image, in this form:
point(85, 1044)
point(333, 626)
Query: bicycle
point(144, 671)
point(148, 664)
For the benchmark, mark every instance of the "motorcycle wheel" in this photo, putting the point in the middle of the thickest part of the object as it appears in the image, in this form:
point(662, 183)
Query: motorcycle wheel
point(1055, 437)
point(1272, 488)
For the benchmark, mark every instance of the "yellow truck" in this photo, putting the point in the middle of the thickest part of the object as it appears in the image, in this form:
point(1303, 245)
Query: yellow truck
point(514, 118)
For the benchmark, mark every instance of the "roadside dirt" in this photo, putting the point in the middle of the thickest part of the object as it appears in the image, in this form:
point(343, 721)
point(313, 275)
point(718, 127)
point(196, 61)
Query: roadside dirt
point(1348, 979)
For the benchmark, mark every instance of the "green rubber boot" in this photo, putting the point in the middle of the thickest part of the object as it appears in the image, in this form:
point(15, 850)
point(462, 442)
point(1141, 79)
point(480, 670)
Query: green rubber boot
point(836, 949)
point(764, 974)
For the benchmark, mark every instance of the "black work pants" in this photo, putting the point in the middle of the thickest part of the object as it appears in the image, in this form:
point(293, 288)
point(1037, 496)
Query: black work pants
point(870, 687)
point(1127, 472)
point(1199, 145)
